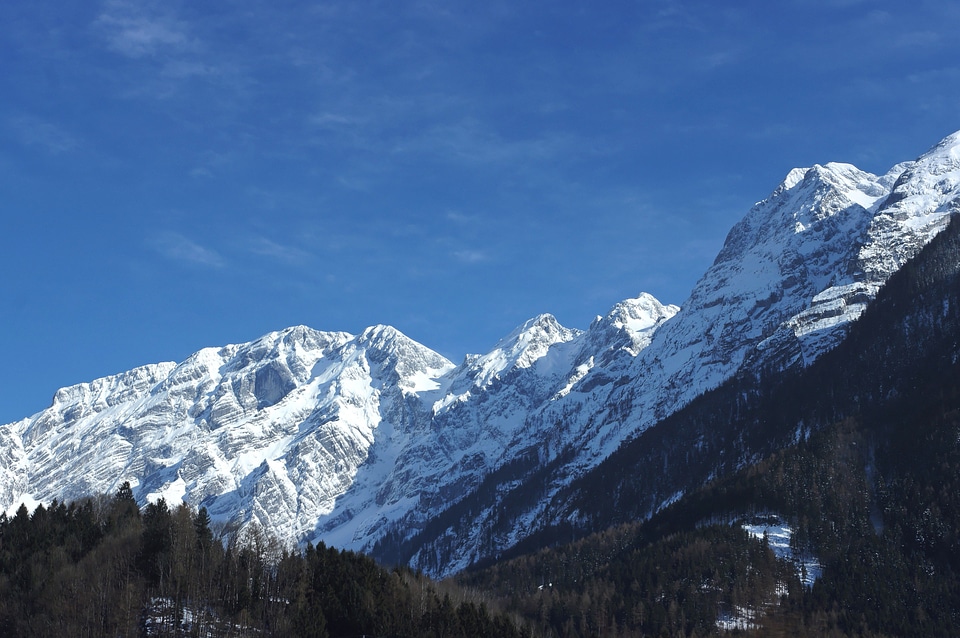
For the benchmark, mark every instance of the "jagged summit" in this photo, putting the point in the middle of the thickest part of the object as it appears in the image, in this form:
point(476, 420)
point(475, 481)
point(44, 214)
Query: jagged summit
point(920, 200)
point(522, 347)
point(534, 332)
point(636, 319)
point(790, 278)
point(375, 441)
point(381, 336)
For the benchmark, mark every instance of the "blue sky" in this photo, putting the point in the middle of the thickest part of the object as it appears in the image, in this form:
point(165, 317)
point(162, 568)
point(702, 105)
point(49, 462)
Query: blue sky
point(175, 175)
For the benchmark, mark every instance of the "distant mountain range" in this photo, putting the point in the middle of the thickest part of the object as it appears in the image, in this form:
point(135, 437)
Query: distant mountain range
point(376, 443)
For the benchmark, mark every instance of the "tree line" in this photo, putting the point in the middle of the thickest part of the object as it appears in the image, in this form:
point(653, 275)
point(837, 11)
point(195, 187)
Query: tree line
point(106, 567)
point(859, 451)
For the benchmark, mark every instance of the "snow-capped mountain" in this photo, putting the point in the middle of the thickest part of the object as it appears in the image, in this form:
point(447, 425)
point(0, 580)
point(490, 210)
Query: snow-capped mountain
point(360, 440)
point(790, 278)
point(799, 267)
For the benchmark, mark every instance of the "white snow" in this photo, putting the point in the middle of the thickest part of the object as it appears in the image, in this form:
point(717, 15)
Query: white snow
point(740, 619)
point(24, 499)
point(172, 493)
point(778, 535)
point(328, 435)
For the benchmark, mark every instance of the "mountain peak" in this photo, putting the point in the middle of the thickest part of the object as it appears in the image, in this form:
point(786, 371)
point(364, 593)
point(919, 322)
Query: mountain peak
point(531, 340)
point(380, 335)
point(809, 204)
point(792, 274)
point(354, 439)
point(920, 203)
point(400, 360)
point(640, 313)
point(636, 318)
point(950, 145)
point(545, 324)
point(522, 348)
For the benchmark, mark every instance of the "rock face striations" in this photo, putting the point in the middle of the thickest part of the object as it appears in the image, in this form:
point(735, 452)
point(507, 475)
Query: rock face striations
point(372, 441)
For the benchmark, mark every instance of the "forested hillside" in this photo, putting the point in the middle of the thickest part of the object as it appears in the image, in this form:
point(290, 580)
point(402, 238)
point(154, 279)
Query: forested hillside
point(901, 358)
point(103, 568)
point(860, 453)
point(857, 455)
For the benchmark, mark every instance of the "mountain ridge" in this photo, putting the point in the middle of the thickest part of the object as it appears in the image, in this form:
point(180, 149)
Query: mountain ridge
point(345, 438)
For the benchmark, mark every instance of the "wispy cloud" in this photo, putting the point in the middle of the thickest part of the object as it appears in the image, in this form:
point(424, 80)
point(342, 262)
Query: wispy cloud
point(672, 14)
point(166, 53)
point(918, 39)
point(332, 120)
point(365, 119)
point(135, 30)
point(461, 218)
point(718, 59)
point(471, 256)
point(290, 255)
point(183, 69)
point(36, 132)
point(473, 142)
point(210, 163)
point(946, 74)
point(176, 247)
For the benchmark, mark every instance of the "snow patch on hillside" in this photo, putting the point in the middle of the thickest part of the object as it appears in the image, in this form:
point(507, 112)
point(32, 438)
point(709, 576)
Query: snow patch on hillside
point(778, 535)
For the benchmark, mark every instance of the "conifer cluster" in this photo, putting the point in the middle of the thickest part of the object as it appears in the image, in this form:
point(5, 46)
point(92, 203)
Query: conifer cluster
point(103, 567)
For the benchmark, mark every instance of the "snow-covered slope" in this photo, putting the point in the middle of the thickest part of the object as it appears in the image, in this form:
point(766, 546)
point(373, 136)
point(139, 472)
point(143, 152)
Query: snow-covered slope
point(798, 268)
point(271, 432)
point(358, 439)
point(790, 278)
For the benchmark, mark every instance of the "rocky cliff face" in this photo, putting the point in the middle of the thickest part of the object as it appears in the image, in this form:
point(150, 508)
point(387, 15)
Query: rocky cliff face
point(791, 276)
point(351, 439)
